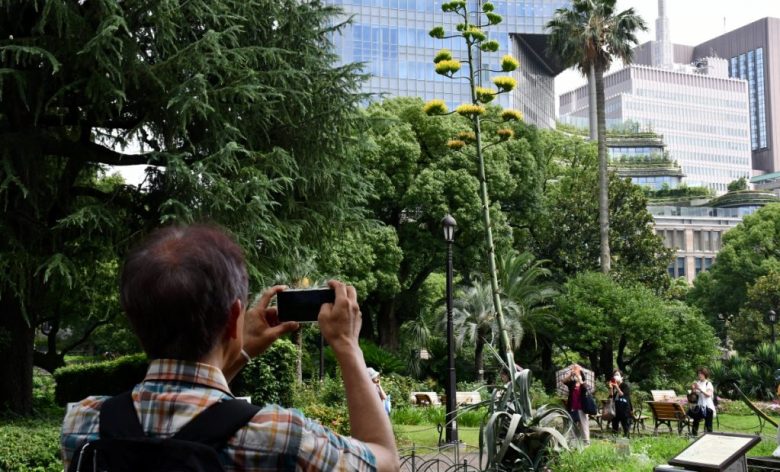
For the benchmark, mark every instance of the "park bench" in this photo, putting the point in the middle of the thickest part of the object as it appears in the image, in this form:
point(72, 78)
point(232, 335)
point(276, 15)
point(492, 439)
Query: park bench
point(664, 395)
point(424, 398)
point(667, 412)
point(467, 398)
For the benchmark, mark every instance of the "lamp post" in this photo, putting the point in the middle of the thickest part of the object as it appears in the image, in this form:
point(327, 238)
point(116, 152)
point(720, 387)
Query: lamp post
point(771, 318)
point(449, 224)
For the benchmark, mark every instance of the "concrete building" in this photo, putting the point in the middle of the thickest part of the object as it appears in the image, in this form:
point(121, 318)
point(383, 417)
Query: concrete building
point(391, 38)
point(702, 113)
point(696, 232)
point(752, 53)
point(643, 158)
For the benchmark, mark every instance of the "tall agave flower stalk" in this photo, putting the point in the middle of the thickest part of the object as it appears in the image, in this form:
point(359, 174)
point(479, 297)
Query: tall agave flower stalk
point(472, 31)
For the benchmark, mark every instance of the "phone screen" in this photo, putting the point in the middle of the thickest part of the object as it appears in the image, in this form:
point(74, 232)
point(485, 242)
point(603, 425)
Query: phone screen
point(304, 305)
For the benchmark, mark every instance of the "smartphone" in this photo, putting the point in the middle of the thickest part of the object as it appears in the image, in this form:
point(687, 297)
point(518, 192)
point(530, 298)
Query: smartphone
point(302, 305)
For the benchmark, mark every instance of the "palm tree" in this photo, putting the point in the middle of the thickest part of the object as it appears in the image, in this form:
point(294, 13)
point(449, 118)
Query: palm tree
point(474, 320)
point(588, 36)
point(525, 281)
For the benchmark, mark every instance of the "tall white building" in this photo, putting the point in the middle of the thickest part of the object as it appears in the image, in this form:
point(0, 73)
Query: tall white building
point(701, 112)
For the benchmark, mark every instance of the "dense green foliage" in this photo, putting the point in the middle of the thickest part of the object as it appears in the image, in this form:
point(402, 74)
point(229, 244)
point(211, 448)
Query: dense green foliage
point(417, 179)
point(566, 231)
point(269, 378)
point(741, 283)
point(31, 445)
point(236, 107)
point(752, 372)
point(654, 341)
point(78, 381)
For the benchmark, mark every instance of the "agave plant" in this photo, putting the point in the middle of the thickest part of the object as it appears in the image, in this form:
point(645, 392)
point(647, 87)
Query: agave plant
point(513, 435)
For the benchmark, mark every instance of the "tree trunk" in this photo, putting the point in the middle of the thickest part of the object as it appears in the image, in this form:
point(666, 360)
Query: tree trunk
point(606, 361)
point(16, 357)
point(479, 363)
point(547, 363)
point(603, 175)
point(388, 327)
point(299, 356)
point(592, 122)
point(621, 360)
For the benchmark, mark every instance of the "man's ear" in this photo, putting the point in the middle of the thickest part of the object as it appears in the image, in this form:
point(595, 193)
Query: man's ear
point(233, 315)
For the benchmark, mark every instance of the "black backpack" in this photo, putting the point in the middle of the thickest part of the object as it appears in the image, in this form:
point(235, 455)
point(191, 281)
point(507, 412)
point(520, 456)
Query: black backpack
point(123, 446)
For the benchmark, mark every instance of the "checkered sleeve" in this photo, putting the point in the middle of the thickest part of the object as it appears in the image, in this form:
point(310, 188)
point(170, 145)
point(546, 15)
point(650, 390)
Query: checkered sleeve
point(79, 427)
point(322, 449)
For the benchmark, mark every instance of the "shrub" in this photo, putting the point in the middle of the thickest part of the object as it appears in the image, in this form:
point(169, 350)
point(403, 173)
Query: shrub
point(269, 378)
point(76, 382)
point(399, 387)
point(31, 445)
point(333, 417)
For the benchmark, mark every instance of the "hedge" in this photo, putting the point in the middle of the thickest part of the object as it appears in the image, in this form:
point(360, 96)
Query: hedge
point(269, 378)
point(78, 381)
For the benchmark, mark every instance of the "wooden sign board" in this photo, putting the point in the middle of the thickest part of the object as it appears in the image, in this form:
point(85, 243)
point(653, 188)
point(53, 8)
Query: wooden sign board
point(716, 452)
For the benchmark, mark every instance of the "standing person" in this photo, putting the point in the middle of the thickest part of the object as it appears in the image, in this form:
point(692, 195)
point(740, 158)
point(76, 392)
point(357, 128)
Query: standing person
point(374, 375)
point(620, 392)
point(185, 292)
point(703, 387)
point(575, 403)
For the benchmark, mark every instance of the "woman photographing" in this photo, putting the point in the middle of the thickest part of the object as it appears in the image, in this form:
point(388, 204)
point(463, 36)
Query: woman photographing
point(620, 392)
point(703, 388)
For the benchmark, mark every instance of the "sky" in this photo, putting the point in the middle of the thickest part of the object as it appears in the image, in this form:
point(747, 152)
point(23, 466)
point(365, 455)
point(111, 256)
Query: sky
point(690, 22)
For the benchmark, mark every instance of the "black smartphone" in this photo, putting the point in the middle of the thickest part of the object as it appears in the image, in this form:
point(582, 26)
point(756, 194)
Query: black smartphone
point(303, 305)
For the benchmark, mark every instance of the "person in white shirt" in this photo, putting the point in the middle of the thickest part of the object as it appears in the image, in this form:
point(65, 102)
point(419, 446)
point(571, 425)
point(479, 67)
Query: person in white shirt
point(703, 387)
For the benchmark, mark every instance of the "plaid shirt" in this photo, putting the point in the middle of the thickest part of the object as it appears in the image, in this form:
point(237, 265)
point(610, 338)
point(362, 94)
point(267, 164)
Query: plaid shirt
point(174, 392)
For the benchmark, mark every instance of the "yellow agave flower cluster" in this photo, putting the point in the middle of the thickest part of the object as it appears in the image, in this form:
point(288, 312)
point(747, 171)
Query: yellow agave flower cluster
point(509, 63)
point(456, 144)
point(469, 110)
point(505, 134)
point(485, 95)
point(511, 115)
point(505, 83)
point(435, 107)
point(467, 136)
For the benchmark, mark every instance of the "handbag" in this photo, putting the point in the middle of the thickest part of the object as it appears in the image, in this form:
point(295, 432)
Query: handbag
point(608, 413)
point(696, 412)
point(589, 404)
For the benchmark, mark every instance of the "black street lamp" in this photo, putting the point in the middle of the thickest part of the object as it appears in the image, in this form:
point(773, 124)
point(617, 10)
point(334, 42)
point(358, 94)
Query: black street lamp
point(771, 318)
point(449, 224)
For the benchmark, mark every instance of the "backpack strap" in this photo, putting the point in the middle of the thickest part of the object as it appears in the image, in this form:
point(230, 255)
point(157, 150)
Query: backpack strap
point(215, 425)
point(118, 418)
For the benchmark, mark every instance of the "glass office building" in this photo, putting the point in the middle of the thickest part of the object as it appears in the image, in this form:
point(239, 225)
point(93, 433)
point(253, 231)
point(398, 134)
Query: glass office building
point(752, 53)
point(704, 119)
point(391, 38)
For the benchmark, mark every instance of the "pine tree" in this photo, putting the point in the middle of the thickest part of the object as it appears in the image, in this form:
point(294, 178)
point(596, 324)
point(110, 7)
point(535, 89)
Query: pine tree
point(236, 107)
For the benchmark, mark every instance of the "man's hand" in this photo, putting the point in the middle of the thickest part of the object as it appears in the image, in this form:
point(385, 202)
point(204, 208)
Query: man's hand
point(340, 321)
point(261, 324)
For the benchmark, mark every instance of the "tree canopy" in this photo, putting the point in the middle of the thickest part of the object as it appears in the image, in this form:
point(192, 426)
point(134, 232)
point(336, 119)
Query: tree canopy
point(237, 107)
point(633, 329)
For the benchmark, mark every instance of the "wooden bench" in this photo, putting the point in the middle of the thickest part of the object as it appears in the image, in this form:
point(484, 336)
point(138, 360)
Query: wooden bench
point(668, 412)
point(663, 395)
point(467, 398)
point(424, 398)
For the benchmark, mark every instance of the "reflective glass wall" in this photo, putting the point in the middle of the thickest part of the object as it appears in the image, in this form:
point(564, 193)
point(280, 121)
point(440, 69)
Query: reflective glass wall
point(391, 38)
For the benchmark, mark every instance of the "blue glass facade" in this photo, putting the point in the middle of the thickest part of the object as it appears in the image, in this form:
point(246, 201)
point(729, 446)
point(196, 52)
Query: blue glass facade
point(391, 38)
point(750, 66)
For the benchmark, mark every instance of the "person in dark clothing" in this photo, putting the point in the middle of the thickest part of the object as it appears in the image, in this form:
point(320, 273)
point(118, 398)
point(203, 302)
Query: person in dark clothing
point(575, 403)
point(620, 391)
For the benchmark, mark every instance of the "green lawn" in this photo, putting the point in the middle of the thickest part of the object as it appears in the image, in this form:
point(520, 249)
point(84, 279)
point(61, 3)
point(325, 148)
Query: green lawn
point(647, 450)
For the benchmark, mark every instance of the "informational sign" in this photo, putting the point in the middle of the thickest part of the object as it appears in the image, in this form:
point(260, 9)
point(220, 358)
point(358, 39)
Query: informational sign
point(715, 452)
